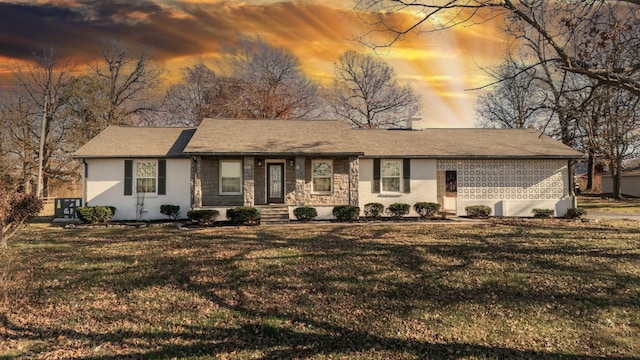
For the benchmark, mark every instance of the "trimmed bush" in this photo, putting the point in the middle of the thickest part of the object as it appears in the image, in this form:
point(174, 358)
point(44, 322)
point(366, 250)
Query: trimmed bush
point(398, 210)
point(243, 215)
point(575, 213)
point(95, 214)
point(203, 216)
point(305, 213)
point(542, 213)
point(172, 211)
point(426, 209)
point(346, 212)
point(477, 211)
point(373, 210)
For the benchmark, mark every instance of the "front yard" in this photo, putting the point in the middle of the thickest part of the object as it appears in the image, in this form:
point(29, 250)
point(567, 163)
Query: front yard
point(532, 289)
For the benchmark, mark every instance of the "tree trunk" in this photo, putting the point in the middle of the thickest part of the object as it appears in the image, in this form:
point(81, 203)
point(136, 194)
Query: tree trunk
point(591, 171)
point(617, 184)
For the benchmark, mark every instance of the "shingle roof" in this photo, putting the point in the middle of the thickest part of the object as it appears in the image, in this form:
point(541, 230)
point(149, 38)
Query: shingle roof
point(317, 138)
point(128, 141)
point(276, 137)
point(462, 143)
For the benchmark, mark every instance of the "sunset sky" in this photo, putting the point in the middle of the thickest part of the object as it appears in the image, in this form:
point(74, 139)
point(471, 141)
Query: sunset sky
point(440, 66)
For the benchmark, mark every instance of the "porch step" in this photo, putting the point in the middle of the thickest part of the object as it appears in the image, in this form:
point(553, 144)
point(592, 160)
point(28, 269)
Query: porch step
point(274, 214)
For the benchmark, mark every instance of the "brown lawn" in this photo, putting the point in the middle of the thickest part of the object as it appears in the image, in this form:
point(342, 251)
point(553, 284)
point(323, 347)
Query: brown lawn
point(546, 289)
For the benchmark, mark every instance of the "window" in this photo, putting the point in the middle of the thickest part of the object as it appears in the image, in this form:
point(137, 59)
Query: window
point(322, 176)
point(146, 176)
point(230, 177)
point(391, 175)
point(451, 180)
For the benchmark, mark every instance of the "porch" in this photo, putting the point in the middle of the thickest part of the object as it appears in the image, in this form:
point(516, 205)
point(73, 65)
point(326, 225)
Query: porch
point(258, 181)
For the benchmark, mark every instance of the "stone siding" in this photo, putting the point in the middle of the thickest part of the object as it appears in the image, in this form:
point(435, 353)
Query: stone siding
point(341, 185)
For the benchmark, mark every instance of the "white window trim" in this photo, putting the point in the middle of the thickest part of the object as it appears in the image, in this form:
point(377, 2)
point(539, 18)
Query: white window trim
point(400, 179)
point(313, 190)
point(135, 178)
point(220, 177)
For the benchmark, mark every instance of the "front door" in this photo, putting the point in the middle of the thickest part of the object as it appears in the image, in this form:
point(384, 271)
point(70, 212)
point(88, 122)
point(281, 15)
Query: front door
point(275, 183)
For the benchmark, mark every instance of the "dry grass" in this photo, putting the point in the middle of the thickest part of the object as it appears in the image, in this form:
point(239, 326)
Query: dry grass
point(598, 204)
point(545, 289)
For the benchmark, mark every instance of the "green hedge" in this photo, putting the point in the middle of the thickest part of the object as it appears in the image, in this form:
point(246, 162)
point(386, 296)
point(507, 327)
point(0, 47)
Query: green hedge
point(203, 216)
point(346, 212)
point(172, 211)
point(95, 214)
point(426, 209)
point(243, 215)
point(476, 211)
point(542, 213)
point(305, 213)
point(398, 210)
point(373, 210)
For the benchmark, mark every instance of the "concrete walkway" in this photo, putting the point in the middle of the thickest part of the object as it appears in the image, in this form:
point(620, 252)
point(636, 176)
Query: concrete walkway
point(608, 215)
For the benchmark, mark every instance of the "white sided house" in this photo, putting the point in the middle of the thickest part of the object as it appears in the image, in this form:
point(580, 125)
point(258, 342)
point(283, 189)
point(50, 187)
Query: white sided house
point(278, 165)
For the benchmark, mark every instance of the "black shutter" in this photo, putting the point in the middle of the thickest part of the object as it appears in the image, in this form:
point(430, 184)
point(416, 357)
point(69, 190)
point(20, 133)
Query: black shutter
point(162, 177)
point(375, 185)
point(406, 175)
point(128, 177)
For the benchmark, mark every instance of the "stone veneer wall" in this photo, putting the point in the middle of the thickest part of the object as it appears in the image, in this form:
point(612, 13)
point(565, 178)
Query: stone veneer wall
point(210, 172)
point(341, 185)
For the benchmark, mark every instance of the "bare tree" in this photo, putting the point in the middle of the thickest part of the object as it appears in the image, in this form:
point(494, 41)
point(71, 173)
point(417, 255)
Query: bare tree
point(268, 80)
point(40, 88)
point(366, 93)
point(612, 129)
point(514, 100)
point(188, 102)
point(15, 209)
point(556, 22)
point(126, 76)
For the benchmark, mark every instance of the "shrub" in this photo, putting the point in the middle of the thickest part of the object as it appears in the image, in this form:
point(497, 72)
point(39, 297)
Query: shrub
point(398, 210)
point(95, 214)
point(243, 215)
point(542, 213)
point(426, 209)
point(575, 213)
point(476, 211)
point(305, 213)
point(15, 209)
point(373, 210)
point(202, 216)
point(172, 211)
point(346, 212)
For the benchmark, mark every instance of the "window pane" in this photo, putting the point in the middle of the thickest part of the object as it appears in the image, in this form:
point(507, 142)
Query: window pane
point(146, 169)
point(230, 185)
point(391, 184)
point(321, 169)
point(230, 169)
point(391, 168)
point(146, 185)
point(322, 184)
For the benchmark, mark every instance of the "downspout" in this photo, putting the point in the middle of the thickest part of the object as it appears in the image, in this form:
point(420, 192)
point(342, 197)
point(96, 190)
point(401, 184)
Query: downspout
point(85, 175)
point(572, 182)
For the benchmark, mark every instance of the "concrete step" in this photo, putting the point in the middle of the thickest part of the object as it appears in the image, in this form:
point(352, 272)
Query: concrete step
point(274, 215)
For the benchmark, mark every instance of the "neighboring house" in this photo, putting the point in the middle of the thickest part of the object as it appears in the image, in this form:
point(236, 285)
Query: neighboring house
point(630, 182)
point(291, 163)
